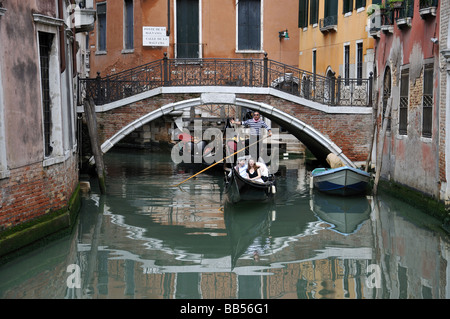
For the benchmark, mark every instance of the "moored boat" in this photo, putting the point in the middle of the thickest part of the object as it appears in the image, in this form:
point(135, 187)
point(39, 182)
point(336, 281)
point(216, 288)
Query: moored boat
point(344, 181)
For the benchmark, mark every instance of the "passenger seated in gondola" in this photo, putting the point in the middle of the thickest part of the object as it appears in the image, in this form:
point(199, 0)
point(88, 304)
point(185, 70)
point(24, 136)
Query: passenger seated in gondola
point(264, 171)
point(242, 168)
point(253, 171)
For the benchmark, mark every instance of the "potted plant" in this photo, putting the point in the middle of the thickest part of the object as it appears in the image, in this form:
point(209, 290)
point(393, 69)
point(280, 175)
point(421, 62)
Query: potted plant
point(395, 3)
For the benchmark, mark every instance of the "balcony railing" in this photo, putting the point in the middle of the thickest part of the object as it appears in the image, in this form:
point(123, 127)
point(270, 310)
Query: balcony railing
point(328, 23)
point(227, 72)
point(427, 8)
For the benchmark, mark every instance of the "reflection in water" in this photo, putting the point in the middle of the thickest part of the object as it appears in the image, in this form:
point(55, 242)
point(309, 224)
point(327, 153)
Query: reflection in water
point(148, 239)
point(344, 214)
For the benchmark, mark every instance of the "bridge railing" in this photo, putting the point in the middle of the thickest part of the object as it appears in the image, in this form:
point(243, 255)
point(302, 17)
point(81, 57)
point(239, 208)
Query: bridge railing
point(227, 72)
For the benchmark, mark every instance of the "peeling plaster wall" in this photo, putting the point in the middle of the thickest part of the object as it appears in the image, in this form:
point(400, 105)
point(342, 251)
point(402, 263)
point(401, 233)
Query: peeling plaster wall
point(411, 159)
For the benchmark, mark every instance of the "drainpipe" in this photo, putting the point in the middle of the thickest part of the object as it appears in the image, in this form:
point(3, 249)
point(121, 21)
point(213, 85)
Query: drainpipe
point(62, 47)
point(168, 18)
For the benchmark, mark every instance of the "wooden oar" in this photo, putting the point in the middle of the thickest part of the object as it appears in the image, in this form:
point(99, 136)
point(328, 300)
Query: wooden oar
point(219, 161)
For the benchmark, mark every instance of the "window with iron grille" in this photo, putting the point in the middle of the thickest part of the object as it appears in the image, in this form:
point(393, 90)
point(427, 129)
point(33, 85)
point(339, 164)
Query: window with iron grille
point(386, 96)
point(101, 26)
point(404, 101)
point(303, 13)
point(347, 64)
point(128, 25)
point(359, 62)
point(45, 46)
point(427, 101)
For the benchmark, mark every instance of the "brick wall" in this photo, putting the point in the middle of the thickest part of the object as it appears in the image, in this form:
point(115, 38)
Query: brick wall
point(33, 190)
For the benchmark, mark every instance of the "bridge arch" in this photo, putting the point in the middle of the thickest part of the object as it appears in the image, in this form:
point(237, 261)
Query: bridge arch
point(315, 141)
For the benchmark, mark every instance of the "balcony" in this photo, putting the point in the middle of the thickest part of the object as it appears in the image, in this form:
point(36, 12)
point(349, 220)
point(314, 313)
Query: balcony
point(387, 20)
point(404, 13)
point(84, 19)
point(375, 24)
point(427, 8)
point(328, 24)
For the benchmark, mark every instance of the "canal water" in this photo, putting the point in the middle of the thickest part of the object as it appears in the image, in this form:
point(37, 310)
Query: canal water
point(147, 238)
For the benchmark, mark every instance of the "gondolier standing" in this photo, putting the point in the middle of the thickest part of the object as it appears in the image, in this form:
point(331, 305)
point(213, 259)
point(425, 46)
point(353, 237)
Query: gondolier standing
point(255, 124)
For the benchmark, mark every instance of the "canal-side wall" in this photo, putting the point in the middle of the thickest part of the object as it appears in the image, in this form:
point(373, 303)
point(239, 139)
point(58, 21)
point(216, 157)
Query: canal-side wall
point(408, 72)
point(38, 138)
point(37, 202)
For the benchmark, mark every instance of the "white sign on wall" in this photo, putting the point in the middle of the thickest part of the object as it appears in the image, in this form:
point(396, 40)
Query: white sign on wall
point(155, 37)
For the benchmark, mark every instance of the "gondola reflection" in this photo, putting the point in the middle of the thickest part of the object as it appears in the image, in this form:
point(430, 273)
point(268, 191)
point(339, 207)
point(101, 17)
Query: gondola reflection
point(247, 222)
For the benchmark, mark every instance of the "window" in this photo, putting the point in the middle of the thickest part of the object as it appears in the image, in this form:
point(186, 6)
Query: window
point(427, 101)
point(329, 15)
point(361, 3)
point(101, 26)
point(359, 62)
point(303, 13)
point(45, 46)
point(348, 6)
point(128, 25)
point(187, 30)
point(387, 95)
point(347, 64)
point(404, 99)
point(314, 62)
point(314, 11)
point(249, 25)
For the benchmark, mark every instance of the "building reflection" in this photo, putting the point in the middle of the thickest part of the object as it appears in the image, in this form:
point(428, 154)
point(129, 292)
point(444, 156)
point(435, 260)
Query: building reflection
point(196, 250)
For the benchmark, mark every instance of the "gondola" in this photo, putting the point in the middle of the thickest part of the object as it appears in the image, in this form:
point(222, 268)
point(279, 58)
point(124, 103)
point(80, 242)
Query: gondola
point(238, 188)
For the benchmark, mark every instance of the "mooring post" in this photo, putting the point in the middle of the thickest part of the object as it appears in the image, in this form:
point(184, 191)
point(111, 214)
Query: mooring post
point(387, 115)
point(89, 111)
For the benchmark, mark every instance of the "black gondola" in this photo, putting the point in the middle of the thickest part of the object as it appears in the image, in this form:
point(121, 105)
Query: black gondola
point(238, 188)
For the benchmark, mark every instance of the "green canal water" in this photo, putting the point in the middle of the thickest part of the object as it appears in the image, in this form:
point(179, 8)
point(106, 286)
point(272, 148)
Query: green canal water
point(148, 239)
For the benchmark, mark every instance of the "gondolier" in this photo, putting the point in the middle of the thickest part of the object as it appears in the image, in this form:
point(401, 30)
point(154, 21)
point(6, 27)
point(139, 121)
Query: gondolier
point(256, 125)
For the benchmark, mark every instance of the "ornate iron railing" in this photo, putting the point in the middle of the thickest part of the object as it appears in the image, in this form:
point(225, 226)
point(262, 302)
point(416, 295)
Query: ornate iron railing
point(423, 4)
point(227, 72)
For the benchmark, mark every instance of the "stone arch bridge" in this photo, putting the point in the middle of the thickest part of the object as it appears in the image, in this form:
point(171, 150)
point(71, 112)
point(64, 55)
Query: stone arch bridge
point(326, 114)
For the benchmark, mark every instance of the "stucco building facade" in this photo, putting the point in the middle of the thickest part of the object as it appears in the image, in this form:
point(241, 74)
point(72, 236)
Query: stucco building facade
point(407, 68)
point(131, 33)
point(38, 140)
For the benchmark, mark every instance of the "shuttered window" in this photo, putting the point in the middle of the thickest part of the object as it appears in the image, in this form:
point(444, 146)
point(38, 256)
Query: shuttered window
point(360, 4)
point(188, 44)
point(249, 25)
point(427, 101)
point(331, 8)
point(314, 11)
point(45, 46)
point(404, 98)
point(348, 6)
point(128, 24)
point(303, 13)
point(101, 25)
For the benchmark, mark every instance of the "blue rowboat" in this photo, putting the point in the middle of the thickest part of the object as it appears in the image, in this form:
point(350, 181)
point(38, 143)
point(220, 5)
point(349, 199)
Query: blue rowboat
point(344, 181)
